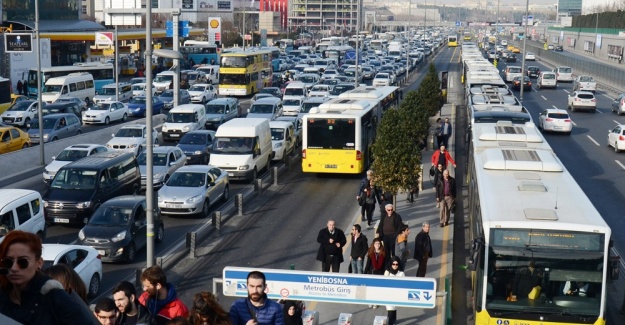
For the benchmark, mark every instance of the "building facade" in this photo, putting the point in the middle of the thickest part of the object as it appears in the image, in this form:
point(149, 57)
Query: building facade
point(569, 8)
point(325, 16)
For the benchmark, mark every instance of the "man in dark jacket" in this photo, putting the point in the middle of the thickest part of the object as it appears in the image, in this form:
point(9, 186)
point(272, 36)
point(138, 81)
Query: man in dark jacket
point(389, 227)
point(331, 241)
point(160, 298)
point(446, 196)
point(130, 311)
point(364, 183)
point(360, 245)
point(423, 249)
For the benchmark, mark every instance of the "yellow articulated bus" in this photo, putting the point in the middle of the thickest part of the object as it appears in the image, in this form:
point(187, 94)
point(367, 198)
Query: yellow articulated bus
point(452, 41)
point(244, 73)
point(467, 36)
point(337, 136)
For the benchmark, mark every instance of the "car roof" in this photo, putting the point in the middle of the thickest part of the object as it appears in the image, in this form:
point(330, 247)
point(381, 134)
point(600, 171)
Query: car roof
point(134, 126)
point(109, 102)
point(125, 201)
point(556, 110)
point(195, 168)
point(280, 124)
point(84, 146)
point(51, 251)
point(584, 92)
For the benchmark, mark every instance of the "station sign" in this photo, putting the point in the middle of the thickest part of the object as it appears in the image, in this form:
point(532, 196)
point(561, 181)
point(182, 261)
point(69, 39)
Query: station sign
point(336, 287)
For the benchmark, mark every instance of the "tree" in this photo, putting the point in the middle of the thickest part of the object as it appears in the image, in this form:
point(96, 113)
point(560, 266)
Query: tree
point(430, 93)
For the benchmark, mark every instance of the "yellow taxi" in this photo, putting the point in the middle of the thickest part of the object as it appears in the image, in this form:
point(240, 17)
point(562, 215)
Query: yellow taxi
point(17, 98)
point(516, 50)
point(510, 48)
point(12, 139)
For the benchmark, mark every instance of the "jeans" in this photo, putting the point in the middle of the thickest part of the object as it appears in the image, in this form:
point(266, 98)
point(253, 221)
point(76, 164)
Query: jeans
point(357, 266)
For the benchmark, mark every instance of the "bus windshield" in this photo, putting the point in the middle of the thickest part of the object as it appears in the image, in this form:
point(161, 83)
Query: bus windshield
point(52, 88)
point(233, 62)
point(331, 133)
point(232, 79)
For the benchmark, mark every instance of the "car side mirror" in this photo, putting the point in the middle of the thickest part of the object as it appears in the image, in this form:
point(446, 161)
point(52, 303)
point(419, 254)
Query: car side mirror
point(173, 163)
point(137, 223)
point(211, 184)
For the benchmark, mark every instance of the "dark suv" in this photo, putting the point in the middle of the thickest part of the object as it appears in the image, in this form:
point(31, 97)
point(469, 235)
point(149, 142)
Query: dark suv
point(66, 107)
point(533, 72)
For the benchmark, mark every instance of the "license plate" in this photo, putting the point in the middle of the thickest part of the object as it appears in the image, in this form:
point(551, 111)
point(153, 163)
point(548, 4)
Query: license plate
point(61, 220)
point(331, 166)
point(188, 158)
point(101, 252)
point(174, 135)
point(171, 206)
point(231, 174)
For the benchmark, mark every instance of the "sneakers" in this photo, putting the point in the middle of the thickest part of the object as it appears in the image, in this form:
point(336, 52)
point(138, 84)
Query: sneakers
point(438, 204)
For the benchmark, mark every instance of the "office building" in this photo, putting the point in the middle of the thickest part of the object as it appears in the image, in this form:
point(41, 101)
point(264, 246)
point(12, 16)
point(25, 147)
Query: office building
point(325, 16)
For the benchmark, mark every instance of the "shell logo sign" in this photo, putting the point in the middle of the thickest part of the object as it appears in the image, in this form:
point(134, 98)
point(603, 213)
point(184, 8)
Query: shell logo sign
point(214, 29)
point(214, 23)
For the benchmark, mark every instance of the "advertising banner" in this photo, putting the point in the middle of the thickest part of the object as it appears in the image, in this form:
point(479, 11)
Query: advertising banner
point(214, 29)
point(104, 38)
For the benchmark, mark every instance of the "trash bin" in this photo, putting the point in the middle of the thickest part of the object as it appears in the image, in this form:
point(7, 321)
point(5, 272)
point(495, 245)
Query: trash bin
point(345, 319)
point(310, 317)
point(380, 320)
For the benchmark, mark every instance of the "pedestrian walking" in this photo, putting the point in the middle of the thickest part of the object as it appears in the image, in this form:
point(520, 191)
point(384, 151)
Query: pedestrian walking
point(437, 132)
point(364, 183)
point(401, 247)
point(386, 197)
point(442, 157)
point(331, 241)
point(27, 295)
point(377, 259)
point(25, 87)
point(206, 310)
point(256, 309)
point(20, 87)
point(360, 245)
point(446, 196)
point(159, 296)
point(131, 312)
point(368, 197)
point(438, 176)
point(191, 63)
point(423, 249)
point(445, 132)
point(393, 269)
point(388, 229)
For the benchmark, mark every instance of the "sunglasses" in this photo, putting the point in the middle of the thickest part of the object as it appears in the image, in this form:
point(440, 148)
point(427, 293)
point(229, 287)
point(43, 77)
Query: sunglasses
point(7, 262)
point(395, 264)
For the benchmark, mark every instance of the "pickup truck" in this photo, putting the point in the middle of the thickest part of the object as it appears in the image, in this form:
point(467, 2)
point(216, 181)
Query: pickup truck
point(586, 83)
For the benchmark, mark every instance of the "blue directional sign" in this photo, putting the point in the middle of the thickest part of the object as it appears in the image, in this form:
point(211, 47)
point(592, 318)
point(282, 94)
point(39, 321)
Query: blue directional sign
point(183, 28)
point(336, 287)
point(457, 23)
point(350, 55)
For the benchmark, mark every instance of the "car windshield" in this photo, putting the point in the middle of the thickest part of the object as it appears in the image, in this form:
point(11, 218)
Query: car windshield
point(129, 133)
point(159, 159)
point(111, 216)
point(233, 145)
point(564, 70)
point(193, 76)
point(71, 155)
point(294, 92)
point(100, 107)
point(181, 118)
point(164, 78)
point(261, 109)
point(586, 79)
point(138, 87)
point(193, 138)
point(21, 106)
point(215, 109)
point(198, 88)
point(586, 96)
point(549, 76)
point(381, 76)
point(337, 90)
point(308, 79)
point(75, 179)
point(187, 179)
point(137, 100)
point(52, 88)
point(292, 102)
point(108, 91)
point(66, 100)
point(48, 124)
point(270, 91)
point(277, 134)
point(559, 115)
point(167, 94)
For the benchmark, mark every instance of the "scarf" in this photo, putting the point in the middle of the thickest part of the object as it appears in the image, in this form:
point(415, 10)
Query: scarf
point(401, 238)
point(377, 261)
point(390, 266)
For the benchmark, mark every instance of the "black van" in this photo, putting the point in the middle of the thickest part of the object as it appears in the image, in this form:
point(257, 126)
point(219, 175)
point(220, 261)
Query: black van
point(80, 187)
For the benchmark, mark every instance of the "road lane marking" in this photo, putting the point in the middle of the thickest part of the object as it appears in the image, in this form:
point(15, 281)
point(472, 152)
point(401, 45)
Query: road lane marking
point(599, 111)
point(574, 124)
point(566, 91)
point(443, 273)
point(593, 140)
point(545, 98)
point(619, 163)
point(554, 106)
point(608, 97)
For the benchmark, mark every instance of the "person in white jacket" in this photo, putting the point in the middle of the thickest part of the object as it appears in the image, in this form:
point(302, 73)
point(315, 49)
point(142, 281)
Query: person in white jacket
point(393, 270)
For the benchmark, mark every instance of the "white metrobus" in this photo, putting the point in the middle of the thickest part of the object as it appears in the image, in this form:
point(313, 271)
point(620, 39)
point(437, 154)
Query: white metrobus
point(540, 251)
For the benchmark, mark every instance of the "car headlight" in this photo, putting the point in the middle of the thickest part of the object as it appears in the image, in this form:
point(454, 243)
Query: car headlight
point(277, 145)
point(195, 199)
point(164, 128)
point(244, 167)
point(81, 235)
point(216, 119)
point(45, 136)
point(197, 152)
point(134, 145)
point(45, 204)
point(119, 237)
point(109, 145)
point(83, 205)
point(159, 199)
point(158, 176)
point(186, 128)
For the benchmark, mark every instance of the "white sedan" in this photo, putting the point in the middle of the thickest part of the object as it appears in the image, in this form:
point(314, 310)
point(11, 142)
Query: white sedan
point(84, 260)
point(105, 112)
point(555, 120)
point(202, 93)
point(616, 137)
point(320, 90)
point(530, 56)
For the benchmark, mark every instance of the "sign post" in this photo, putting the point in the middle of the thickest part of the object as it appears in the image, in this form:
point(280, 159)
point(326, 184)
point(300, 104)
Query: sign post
point(336, 287)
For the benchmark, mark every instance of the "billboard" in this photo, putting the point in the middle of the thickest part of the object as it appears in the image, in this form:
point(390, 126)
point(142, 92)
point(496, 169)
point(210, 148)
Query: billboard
point(15, 43)
point(207, 5)
point(23, 61)
point(104, 38)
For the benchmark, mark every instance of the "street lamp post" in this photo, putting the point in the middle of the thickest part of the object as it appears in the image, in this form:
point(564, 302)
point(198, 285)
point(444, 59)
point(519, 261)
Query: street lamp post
point(527, 5)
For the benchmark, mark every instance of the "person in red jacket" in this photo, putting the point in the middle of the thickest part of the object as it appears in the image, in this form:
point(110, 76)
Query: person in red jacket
point(442, 157)
point(159, 297)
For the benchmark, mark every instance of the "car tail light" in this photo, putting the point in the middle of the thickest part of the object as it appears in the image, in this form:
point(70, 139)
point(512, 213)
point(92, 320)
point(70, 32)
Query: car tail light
point(621, 138)
point(529, 83)
point(577, 99)
point(358, 155)
point(99, 257)
point(623, 101)
point(549, 119)
point(567, 121)
point(304, 154)
point(593, 100)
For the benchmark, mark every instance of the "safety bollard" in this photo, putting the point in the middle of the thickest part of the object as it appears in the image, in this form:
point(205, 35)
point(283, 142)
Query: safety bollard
point(239, 202)
point(274, 175)
point(191, 240)
point(160, 261)
point(258, 186)
point(218, 222)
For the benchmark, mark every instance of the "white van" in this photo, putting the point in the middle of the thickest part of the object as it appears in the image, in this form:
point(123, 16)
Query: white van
point(138, 89)
point(268, 107)
point(21, 210)
point(212, 73)
point(78, 84)
point(282, 139)
point(124, 89)
point(547, 79)
point(564, 74)
point(296, 89)
point(183, 119)
point(242, 147)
